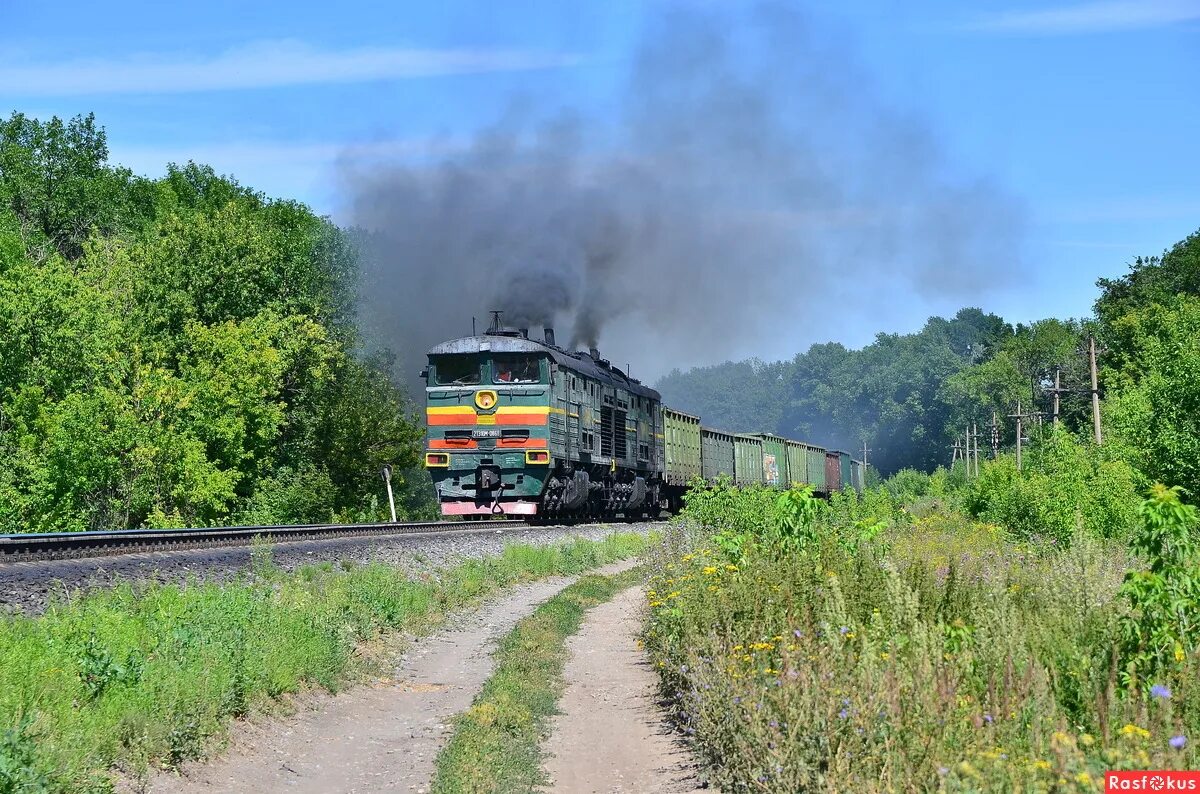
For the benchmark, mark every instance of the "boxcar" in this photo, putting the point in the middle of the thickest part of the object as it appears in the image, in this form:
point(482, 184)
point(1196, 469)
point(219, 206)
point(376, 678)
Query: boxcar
point(716, 454)
point(846, 470)
point(833, 471)
point(775, 460)
point(682, 447)
point(748, 456)
point(797, 462)
point(859, 476)
point(816, 467)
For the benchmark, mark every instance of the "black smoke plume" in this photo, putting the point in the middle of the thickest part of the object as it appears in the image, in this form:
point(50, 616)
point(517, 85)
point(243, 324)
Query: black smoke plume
point(751, 196)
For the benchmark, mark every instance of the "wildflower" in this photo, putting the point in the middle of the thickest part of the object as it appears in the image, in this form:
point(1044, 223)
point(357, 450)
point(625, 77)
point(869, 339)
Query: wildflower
point(1087, 740)
point(1161, 692)
point(943, 771)
point(885, 656)
point(844, 630)
point(1178, 742)
point(988, 719)
point(1041, 764)
point(1133, 730)
point(773, 723)
point(1178, 653)
point(730, 567)
point(797, 633)
point(1083, 779)
point(709, 570)
point(844, 713)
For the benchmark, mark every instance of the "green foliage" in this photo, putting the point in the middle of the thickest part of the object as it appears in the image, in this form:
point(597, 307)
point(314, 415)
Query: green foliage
point(744, 396)
point(939, 655)
point(1065, 488)
point(1160, 631)
point(1155, 411)
point(146, 674)
point(178, 352)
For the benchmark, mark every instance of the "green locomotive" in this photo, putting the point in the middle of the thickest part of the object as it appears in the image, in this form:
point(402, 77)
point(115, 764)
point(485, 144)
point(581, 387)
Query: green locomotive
point(521, 427)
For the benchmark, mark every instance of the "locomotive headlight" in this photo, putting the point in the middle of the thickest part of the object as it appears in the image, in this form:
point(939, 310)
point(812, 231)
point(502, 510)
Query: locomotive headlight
point(436, 460)
point(485, 399)
point(537, 457)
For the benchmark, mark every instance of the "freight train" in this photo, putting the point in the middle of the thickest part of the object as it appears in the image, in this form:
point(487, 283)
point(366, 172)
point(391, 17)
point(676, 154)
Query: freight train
point(524, 428)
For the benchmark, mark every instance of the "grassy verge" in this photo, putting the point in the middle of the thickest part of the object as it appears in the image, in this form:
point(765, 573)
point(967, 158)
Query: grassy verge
point(144, 674)
point(495, 747)
point(931, 654)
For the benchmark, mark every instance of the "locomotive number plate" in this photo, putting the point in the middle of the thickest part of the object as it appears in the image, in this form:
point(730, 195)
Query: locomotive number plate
point(485, 433)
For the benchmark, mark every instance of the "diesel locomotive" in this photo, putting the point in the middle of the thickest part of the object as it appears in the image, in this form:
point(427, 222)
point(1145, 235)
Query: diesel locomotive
point(524, 428)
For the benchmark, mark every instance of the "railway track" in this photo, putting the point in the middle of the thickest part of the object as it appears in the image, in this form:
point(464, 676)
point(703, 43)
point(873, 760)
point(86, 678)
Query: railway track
point(68, 545)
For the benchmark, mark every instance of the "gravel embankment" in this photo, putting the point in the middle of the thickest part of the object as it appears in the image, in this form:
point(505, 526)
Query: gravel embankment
point(29, 586)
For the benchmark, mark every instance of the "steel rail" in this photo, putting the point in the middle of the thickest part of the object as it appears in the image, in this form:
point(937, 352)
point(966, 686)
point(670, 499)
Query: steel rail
point(65, 545)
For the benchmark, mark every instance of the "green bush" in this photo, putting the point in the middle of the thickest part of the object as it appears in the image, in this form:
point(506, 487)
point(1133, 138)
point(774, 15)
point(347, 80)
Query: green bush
point(1065, 487)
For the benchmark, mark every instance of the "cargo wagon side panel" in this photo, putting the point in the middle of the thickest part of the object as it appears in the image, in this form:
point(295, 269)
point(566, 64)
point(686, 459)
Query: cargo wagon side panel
point(682, 446)
point(748, 451)
point(716, 458)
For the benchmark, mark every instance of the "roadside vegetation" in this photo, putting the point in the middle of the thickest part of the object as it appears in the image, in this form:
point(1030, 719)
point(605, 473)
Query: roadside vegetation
point(180, 351)
point(146, 675)
point(895, 642)
point(495, 746)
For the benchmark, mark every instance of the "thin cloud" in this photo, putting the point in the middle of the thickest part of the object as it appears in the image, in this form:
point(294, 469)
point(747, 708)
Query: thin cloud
point(1096, 17)
point(265, 64)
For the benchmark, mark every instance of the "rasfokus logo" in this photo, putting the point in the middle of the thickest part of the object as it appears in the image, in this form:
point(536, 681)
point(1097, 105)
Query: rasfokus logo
point(1153, 780)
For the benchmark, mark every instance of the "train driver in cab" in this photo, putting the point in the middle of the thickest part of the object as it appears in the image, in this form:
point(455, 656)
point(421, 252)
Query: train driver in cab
point(520, 370)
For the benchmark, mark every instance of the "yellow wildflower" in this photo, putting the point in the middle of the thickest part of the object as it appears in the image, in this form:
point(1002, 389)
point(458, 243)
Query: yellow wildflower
point(709, 570)
point(1041, 764)
point(1179, 655)
point(730, 566)
point(1083, 779)
point(1132, 730)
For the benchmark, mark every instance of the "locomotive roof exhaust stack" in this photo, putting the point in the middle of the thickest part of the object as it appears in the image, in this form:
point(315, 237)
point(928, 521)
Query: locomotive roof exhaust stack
point(524, 332)
point(594, 352)
point(549, 332)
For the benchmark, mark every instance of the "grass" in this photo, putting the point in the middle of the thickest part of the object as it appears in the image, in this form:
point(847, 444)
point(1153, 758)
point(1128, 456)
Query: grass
point(495, 746)
point(145, 675)
point(936, 655)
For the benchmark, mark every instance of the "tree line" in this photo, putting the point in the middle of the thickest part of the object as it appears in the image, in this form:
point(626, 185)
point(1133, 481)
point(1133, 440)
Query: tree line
point(909, 396)
point(178, 351)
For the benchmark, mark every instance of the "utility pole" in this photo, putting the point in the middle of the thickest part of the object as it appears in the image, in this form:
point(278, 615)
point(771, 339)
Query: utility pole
point(865, 451)
point(995, 435)
point(1020, 416)
point(1095, 390)
point(957, 448)
point(1057, 390)
point(975, 433)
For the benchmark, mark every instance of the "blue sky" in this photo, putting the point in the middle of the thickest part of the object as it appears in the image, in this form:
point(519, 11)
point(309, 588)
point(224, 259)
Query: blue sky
point(1086, 114)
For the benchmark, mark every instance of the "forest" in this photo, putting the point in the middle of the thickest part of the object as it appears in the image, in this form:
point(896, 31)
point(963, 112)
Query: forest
point(910, 396)
point(180, 351)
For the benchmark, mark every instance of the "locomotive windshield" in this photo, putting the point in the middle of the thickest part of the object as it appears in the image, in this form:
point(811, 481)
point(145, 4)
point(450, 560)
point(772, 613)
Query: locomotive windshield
point(456, 370)
point(517, 369)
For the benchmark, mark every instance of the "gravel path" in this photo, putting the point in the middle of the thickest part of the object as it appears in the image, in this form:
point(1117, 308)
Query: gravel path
point(28, 586)
point(610, 736)
point(379, 738)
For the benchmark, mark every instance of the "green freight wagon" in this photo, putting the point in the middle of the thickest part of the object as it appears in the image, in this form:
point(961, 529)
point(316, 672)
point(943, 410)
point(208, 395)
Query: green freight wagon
point(858, 475)
point(797, 462)
point(816, 467)
point(682, 446)
point(716, 454)
point(847, 471)
point(775, 460)
point(748, 457)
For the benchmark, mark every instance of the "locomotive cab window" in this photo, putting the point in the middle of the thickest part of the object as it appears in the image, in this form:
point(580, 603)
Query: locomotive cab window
point(456, 370)
point(516, 369)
